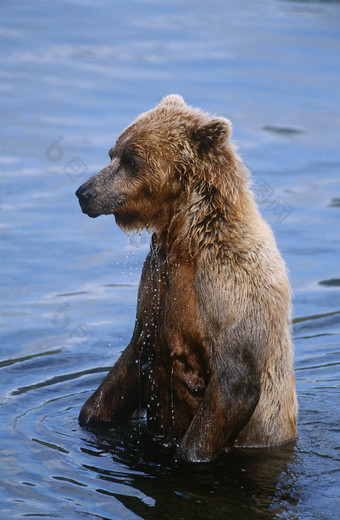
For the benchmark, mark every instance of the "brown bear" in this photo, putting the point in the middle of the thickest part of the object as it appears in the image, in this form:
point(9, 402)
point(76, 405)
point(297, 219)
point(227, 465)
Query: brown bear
point(211, 357)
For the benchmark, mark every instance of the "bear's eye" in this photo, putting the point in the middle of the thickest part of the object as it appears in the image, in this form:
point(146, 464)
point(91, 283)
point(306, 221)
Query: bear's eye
point(131, 161)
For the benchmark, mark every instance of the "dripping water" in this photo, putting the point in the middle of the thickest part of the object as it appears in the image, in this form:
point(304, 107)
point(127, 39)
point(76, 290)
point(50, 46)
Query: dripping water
point(139, 386)
point(172, 406)
point(126, 259)
point(130, 262)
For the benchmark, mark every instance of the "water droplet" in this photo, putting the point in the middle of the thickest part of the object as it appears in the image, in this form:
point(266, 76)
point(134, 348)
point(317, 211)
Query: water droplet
point(172, 406)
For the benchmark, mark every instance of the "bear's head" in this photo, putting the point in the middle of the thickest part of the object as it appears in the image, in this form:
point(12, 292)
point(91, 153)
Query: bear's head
point(153, 164)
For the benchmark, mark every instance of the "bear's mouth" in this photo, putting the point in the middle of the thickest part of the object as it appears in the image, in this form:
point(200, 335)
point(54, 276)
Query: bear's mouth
point(86, 204)
point(89, 212)
point(93, 206)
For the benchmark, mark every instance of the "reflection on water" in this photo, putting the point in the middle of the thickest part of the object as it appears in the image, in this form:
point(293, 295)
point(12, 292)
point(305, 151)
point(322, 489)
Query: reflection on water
point(261, 480)
point(72, 76)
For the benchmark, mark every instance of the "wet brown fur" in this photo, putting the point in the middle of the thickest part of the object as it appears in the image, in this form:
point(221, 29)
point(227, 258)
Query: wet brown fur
point(211, 358)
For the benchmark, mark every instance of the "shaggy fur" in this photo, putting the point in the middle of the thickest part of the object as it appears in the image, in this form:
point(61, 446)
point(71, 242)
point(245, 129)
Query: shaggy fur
point(211, 358)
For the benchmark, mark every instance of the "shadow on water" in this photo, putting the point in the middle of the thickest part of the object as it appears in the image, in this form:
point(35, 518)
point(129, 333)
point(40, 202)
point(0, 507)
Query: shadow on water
point(242, 484)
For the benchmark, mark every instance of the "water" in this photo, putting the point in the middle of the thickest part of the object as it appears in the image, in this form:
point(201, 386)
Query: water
point(73, 75)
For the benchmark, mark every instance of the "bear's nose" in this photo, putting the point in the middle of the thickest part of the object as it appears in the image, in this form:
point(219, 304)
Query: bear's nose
point(83, 193)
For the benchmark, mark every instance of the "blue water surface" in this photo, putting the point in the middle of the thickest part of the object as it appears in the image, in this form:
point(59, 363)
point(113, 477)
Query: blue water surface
point(73, 75)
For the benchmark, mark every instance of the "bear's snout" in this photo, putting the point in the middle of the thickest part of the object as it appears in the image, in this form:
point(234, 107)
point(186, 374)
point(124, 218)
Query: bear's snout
point(85, 195)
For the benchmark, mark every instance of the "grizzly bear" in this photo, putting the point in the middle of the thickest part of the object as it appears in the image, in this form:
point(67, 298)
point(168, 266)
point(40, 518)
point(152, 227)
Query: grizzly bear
point(211, 357)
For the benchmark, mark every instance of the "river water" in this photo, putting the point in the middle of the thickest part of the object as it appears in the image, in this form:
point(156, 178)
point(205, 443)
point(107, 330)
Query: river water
point(73, 74)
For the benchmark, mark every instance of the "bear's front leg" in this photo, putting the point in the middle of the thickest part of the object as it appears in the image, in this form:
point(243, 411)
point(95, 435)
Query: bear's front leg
point(228, 403)
point(117, 397)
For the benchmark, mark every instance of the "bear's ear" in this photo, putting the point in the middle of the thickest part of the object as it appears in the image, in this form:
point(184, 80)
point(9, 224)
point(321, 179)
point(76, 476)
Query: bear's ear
point(174, 100)
point(212, 134)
